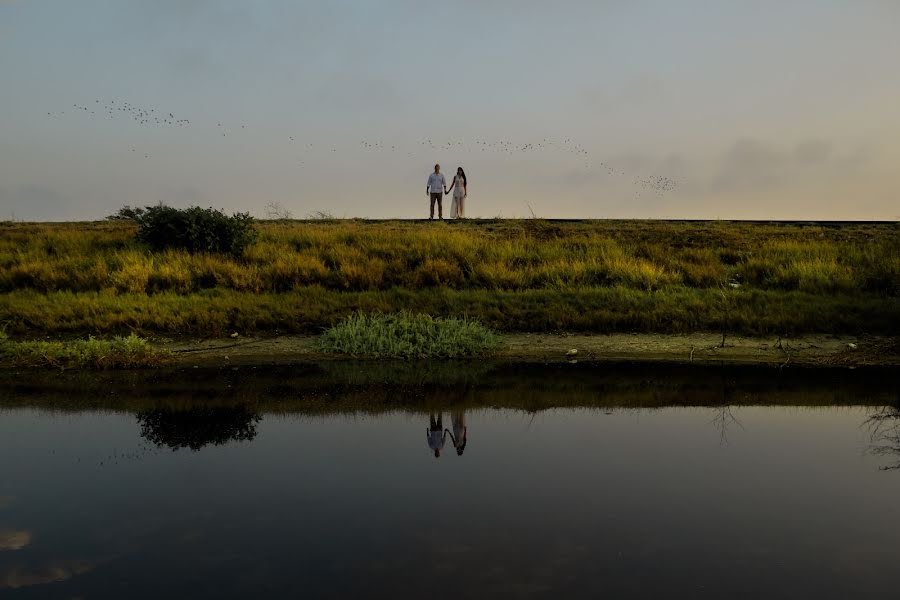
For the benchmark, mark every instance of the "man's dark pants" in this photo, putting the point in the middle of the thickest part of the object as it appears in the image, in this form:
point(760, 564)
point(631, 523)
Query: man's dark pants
point(437, 198)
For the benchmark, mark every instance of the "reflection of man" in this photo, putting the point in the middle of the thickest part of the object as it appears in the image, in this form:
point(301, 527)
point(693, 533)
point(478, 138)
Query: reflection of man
point(437, 187)
point(435, 434)
point(459, 431)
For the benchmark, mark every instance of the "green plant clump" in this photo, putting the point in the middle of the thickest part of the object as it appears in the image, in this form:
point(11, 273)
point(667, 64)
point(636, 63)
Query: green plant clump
point(408, 335)
point(195, 229)
point(118, 353)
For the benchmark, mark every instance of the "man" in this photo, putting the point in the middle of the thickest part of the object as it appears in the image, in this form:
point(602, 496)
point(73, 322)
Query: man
point(436, 188)
point(436, 434)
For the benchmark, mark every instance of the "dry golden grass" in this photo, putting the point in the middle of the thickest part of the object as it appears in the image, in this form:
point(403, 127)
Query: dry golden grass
point(652, 275)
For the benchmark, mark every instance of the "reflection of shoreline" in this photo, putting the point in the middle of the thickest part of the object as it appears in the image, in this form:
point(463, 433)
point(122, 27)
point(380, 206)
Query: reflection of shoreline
point(18, 576)
point(14, 540)
point(318, 389)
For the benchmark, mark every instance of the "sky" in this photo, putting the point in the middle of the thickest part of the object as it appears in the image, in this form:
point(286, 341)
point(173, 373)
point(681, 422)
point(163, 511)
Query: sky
point(709, 109)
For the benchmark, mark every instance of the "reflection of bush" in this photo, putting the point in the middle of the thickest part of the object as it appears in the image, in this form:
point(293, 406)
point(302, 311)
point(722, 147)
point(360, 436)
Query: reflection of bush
point(400, 372)
point(197, 427)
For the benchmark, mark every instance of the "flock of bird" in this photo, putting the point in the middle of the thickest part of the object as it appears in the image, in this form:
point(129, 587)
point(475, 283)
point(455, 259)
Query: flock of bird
point(141, 116)
point(658, 184)
point(150, 117)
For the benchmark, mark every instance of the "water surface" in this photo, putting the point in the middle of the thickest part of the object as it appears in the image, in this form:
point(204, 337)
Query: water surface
point(570, 484)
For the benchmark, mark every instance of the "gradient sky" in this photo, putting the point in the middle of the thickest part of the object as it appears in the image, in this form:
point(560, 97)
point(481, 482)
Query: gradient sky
point(756, 109)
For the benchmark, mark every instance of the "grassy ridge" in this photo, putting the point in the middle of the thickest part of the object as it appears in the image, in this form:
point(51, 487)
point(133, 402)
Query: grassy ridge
point(510, 275)
point(514, 255)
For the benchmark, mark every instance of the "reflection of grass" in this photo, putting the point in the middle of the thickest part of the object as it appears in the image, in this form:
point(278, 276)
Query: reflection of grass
point(337, 388)
point(403, 373)
point(407, 335)
point(117, 353)
point(530, 275)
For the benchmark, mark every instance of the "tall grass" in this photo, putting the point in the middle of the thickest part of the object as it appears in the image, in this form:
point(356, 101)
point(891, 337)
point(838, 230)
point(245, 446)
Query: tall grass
point(359, 256)
point(510, 275)
point(117, 353)
point(408, 335)
point(308, 310)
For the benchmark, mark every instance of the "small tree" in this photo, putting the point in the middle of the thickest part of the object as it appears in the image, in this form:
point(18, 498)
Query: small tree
point(196, 229)
point(127, 213)
point(277, 211)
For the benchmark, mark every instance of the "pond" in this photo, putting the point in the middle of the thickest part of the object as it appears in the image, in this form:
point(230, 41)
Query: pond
point(533, 481)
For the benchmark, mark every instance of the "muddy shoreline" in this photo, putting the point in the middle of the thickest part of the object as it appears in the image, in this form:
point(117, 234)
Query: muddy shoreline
point(808, 350)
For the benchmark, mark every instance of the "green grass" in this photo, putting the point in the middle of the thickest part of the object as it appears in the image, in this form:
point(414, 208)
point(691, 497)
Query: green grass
point(531, 275)
point(408, 335)
point(116, 353)
point(309, 310)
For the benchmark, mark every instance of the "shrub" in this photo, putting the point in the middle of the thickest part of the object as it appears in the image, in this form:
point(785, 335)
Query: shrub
point(118, 353)
point(408, 335)
point(196, 229)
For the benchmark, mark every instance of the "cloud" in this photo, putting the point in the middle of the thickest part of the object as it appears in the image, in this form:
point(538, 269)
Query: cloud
point(30, 201)
point(354, 94)
point(750, 162)
point(14, 540)
point(636, 92)
point(813, 152)
point(754, 165)
point(6, 501)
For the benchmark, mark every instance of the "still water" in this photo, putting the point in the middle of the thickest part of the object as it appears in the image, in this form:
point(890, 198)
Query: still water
point(541, 488)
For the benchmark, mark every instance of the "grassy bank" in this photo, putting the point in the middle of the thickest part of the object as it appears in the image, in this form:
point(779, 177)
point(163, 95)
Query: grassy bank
point(116, 353)
point(528, 275)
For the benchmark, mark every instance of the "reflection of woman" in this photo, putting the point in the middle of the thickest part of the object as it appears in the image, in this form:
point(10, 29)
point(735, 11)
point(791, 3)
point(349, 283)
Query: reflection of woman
point(460, 190)
point(435, 434)
point(459, 431)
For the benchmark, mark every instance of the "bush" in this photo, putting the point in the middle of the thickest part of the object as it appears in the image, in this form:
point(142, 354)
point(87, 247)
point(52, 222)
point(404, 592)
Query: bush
point(196, 229)
point(117, 353)
point(408, 335)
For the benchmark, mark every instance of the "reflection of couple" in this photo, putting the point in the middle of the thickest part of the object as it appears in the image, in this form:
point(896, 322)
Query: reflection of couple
point(437, 187)
point(437, 435)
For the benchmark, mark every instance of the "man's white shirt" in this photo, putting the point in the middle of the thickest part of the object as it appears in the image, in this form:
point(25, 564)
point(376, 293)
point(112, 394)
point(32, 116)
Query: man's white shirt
point(436, 183)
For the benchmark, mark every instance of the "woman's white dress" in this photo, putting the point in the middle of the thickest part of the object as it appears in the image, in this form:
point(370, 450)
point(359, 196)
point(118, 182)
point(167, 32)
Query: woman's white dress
point(458, 206)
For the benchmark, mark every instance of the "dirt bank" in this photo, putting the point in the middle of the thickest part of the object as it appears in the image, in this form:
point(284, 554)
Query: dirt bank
point(808, 350)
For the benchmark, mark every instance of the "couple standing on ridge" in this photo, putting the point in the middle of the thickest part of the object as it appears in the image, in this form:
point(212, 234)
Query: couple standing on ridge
point(437, 187)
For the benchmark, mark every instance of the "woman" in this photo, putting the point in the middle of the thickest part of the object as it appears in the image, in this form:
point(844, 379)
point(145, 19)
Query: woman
point(459, 431)
point(460, 190)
